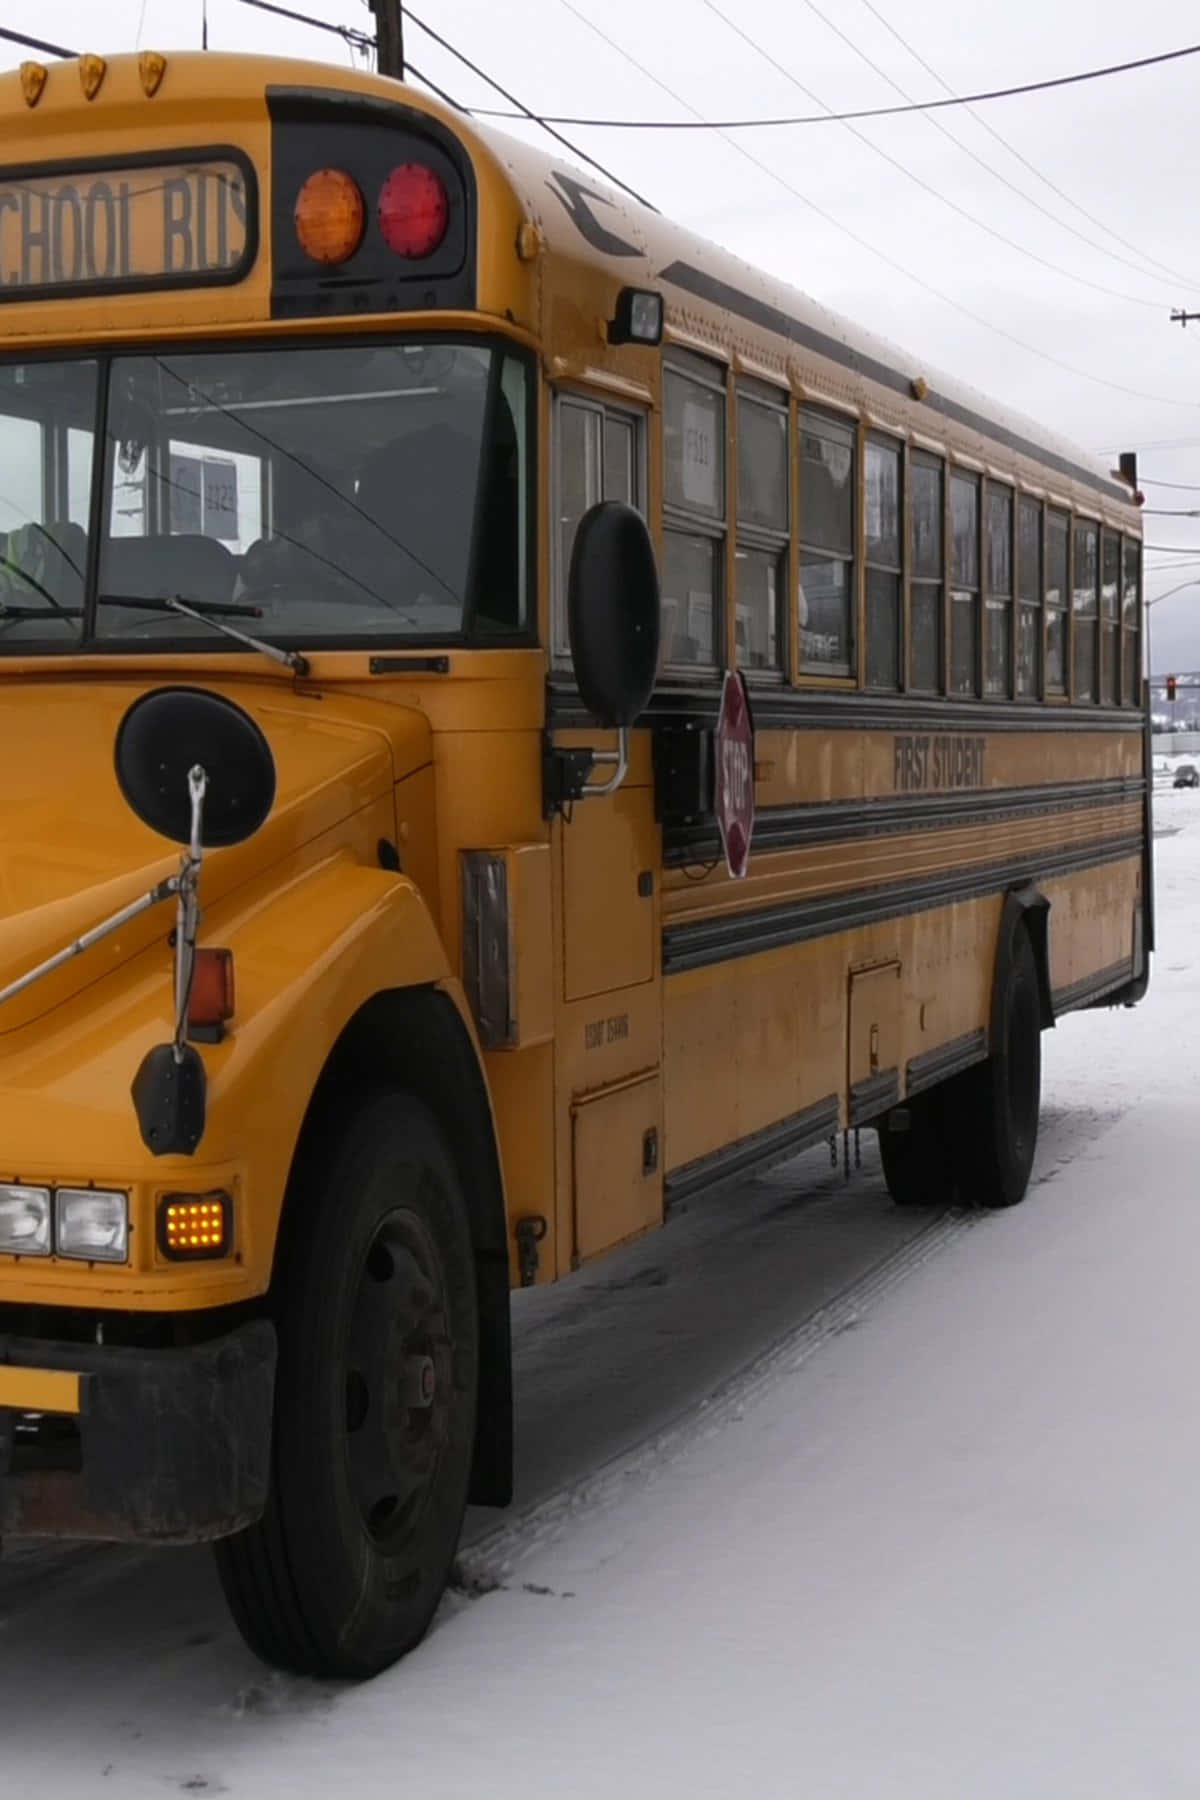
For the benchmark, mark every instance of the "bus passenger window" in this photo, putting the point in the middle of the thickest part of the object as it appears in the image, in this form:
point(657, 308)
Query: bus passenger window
point(762, 527)
point(1085, 611)
point(1131, 663)
point(925, 565)
point(997, 645)
point(1029, 594)
point(882, 502)
point(827, 586)
point(597, 457)
point(1057, 533)
point(964, 579)
point(1110, 618)
point(693, 511)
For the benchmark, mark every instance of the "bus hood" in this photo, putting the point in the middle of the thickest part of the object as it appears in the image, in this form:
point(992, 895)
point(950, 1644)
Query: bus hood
point(72, 853)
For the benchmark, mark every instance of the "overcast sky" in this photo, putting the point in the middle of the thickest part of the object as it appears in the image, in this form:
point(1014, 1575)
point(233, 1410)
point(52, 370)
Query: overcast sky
point(1122, 149)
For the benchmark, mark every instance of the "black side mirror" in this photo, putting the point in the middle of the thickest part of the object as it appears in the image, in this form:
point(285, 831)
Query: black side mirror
point(613, 612)
point(168, 732)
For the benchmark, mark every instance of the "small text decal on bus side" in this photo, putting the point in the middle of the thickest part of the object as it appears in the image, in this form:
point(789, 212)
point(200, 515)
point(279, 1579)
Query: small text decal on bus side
point(927, 761)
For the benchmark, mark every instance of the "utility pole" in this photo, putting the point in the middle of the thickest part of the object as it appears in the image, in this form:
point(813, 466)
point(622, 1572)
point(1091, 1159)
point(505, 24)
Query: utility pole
point(389, 37)
point(1180, 317)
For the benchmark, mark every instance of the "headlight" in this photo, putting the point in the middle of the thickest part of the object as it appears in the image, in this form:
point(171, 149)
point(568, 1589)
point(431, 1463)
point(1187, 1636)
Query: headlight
point(92, 1224)
point(24, 1221)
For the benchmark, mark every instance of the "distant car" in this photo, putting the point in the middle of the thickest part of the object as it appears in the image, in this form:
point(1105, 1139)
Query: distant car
point(1186, 775)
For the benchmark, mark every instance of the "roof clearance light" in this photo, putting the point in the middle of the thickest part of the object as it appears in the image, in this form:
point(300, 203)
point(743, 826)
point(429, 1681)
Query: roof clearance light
point(638, 318)
point(414, 211)
point(330, 216)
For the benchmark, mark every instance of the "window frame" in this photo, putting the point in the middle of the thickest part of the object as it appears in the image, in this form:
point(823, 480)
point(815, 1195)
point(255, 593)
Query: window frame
point(888, 442)
point(599, 405)
point(705, 372)
point(919, 457)
point(755, 538)
point(1062, 608)
point(991, 486)
point(959, 471)
point(848, 671)
point(1037, 605)
point(1081, 522)
point(1135, 631)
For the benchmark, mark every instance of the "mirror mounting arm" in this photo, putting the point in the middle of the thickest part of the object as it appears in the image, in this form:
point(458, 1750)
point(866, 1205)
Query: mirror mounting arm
point(566, 773)
point(188, 914)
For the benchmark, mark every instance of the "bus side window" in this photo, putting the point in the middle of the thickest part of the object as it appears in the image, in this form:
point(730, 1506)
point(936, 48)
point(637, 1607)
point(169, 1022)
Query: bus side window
point(925, 607)
point(885, 514)
point(760, 619)
point(998, 603)
point(693, 632)
point(1085, 610)
point(1029, 596)
point(597, 456)
point(964, 578)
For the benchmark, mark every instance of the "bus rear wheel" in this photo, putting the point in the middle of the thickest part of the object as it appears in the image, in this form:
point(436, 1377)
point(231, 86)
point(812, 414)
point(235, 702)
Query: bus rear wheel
point(995, 1105)
point(375, 1403)
point(915, 1150)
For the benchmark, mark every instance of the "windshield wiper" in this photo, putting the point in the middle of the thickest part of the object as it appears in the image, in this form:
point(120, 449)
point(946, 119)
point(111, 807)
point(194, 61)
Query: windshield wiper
point(214, 613)
point(17, 613)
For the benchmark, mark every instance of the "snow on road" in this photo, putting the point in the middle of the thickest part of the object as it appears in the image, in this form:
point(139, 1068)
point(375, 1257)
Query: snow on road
point(934, 1535)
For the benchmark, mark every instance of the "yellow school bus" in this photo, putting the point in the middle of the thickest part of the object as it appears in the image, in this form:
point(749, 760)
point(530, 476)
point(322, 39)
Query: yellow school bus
point(510, 720)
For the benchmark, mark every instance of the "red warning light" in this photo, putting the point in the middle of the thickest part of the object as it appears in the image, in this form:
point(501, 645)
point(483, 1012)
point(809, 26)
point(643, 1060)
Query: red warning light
point(414, 211)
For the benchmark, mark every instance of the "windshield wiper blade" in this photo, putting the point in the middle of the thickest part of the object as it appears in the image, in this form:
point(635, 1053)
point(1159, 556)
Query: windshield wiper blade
point(17, 613)
point(207, 609)
point(214, 612)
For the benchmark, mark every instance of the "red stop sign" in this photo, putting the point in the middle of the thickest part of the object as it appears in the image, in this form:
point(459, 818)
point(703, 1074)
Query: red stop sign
point(733, 776)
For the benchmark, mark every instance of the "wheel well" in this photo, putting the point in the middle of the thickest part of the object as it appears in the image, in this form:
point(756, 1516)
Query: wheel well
point(1025, 909)
point(413, 1038)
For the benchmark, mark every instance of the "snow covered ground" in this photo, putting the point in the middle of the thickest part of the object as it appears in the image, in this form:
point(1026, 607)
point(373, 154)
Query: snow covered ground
point(817, 1499)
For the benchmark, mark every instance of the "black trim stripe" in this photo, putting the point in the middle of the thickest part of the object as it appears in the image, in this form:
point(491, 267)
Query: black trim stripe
point(932, 1066)
point(877, 1094)
point(751, 1155)
point(695, 944)
point(787, 827)
point(1092, 987)
point(760, 312)
point(778, 708)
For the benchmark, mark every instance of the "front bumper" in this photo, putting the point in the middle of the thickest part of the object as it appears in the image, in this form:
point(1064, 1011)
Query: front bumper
point(133, 1445)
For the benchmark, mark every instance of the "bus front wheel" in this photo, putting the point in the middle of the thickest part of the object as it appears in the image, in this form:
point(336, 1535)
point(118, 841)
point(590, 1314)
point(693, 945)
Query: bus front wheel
point(375, 1401)
point(994, 1106)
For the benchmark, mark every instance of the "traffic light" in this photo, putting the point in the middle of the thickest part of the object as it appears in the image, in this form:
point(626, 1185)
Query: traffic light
point(1170, 687)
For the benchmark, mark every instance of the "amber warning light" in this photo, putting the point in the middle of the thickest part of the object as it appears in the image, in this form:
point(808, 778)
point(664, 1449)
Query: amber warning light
point(413, 210)
point(194, 1227)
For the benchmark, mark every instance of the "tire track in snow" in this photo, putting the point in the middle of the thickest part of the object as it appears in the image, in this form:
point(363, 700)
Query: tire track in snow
point(486, 1562)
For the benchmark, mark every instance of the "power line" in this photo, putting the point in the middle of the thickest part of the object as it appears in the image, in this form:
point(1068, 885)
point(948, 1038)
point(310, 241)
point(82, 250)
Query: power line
point(360, 40)
point(1167, 512)
point(32, 43)
point(526, 112)
point(870, 112)
point(364, 40)
point(926, 186)
point(864, 243)
point(1185, 487)
point(1100, 224)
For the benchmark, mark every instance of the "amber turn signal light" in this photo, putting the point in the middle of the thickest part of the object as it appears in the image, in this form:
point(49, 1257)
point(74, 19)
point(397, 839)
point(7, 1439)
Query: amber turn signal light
point(195, 1227)
point(330, 216)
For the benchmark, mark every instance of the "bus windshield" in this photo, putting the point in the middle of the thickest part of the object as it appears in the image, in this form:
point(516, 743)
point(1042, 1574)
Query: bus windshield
point(329, 493)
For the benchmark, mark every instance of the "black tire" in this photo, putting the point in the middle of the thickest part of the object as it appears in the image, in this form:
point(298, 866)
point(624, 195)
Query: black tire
point(995, 1105)
point(916, 1152)
point(374, 1404)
